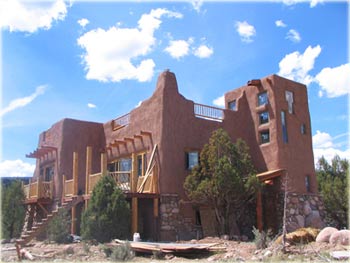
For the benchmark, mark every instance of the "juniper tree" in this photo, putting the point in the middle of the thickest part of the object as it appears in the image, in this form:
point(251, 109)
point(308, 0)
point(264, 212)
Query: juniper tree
point(224, 179)
point(12, 210)
point(108, 213)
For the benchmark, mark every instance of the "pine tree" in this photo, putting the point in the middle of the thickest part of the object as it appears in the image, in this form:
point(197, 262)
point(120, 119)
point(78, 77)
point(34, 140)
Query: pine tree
point(108, 213)
point(333, 186)
point(13, 210)
point(225, 179)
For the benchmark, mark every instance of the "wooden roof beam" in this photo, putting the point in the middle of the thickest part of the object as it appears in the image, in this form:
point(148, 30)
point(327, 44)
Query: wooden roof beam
point(146, 133)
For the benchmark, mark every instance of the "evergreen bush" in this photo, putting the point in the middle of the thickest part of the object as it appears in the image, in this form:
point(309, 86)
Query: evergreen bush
point(108, 213)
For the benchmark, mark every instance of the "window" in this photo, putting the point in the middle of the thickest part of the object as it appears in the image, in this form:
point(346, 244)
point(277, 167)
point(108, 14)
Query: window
point(121, 165)
point(232, 105)
point(290, 100)
point(264, 137)
point(264, 117)
point(141, 164)
point(303, 129)
point(307, 183)
point(192, 159)
point(262, 98)
point(284, 127)
point(49, 172)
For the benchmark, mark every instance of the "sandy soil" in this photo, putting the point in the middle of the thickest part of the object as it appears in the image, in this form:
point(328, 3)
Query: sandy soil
point(228, 251)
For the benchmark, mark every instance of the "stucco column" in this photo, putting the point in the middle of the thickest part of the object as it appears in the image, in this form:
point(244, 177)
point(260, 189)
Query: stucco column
point(259, 218)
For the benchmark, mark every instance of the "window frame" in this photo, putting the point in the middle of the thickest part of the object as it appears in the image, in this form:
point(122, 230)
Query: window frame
point(261, 119)
point(232, 102)
point(187, 156)
point(261, 133)
point(266, 100)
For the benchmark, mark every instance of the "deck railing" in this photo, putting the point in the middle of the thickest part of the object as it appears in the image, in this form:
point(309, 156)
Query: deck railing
point(93, 179)
point(69, 187)
point(121, 122)
point(208, 112)
point(45, 189)
point(122, 179)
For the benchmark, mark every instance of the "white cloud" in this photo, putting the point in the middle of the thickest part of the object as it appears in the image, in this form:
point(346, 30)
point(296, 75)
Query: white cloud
point(179, 48)
point(293, 36)
point(220, 101)
point(197, 4)
point(109, 53)
point(313, 3)
point(323, 145)
point(334, 82)
point(16, 168)
point(280, 23)
point(29, 16)
point(296, 66)
point(245, 30)
point(83, 22)
point(21, 102)
point(91, 105)
point(203, 51)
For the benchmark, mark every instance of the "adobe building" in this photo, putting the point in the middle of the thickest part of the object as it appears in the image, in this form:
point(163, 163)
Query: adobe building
point(151, 150)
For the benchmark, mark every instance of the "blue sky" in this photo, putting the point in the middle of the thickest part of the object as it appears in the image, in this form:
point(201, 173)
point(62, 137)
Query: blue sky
point(96, 61)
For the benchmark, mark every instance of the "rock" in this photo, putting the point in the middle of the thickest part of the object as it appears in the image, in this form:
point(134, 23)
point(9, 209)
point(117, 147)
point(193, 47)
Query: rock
point(340, 255)
point(294, 200)
point(244, 238)
point(292, 211)
point(314, 220)
point(268, 253)
point(307, 209)
point(300, 220)
point(341, 237)
point(325, 234)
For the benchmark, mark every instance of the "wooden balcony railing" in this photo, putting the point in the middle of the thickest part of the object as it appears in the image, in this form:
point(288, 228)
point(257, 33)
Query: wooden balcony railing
point(122, 179)
point(93, 179)
point(38, 189)
point(208, 112)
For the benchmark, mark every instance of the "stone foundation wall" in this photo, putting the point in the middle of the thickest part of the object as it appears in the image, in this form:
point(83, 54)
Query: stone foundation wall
point(303, 210)
point(173, 225)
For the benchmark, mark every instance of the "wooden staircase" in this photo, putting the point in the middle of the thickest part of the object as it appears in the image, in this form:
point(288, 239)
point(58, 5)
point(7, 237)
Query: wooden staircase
point(38, 227)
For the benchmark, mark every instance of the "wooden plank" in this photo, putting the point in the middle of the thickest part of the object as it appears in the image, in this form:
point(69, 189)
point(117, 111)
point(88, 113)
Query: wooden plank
point(75, 173)
point(133, 172)
point(149, 168)
point(156, 207)
point(88, 168)
point(134, 215)
point(103, 163)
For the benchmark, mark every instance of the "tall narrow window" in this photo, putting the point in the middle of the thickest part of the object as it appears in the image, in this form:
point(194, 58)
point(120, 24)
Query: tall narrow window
point(290, 100)
point(139, 165)
point(284, 127)
point(192, 159)
point(264, 117)
point(262, 98)
point(232, 105)
point(264, 136)
point(307, 183)
point(303, 128)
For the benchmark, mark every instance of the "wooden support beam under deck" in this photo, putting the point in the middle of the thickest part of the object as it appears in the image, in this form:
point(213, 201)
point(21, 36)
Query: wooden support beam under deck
point(134, 215)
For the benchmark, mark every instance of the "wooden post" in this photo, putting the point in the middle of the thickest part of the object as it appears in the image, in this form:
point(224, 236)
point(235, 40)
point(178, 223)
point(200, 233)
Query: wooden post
point(63, 188)
point(134, 173)
point(103, 163)
point(259, 211)
point(134, 215)
point(74, 221)
point(75, 173)
point(155, 179)
point(88, 172)
point(38, 187)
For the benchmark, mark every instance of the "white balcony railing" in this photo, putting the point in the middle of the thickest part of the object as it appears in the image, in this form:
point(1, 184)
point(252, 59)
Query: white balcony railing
point(208, 112)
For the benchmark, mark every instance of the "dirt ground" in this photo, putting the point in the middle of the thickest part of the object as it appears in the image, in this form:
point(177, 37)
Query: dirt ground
point(227, 251)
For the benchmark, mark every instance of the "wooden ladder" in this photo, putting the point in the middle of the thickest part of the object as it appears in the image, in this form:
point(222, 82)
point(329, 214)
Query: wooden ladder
point(38, 227)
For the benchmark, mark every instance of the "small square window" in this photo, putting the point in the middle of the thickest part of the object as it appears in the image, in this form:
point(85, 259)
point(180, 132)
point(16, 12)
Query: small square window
point(232, 105)
point(192, 159)
point(264, 117)
point(264, 137)
point(303, 129)
point(262, 98)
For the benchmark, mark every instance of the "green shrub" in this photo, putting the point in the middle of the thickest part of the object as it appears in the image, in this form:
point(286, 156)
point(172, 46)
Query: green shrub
point(261, 239)
point(58, 228)
point(108, 213)
point(12, 210)
point(122, 252)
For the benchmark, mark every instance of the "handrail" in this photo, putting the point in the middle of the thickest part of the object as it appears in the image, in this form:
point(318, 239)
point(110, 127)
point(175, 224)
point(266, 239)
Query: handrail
point(122, 178)
point(31, 189)
point(208, 112)
point(120, 122)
